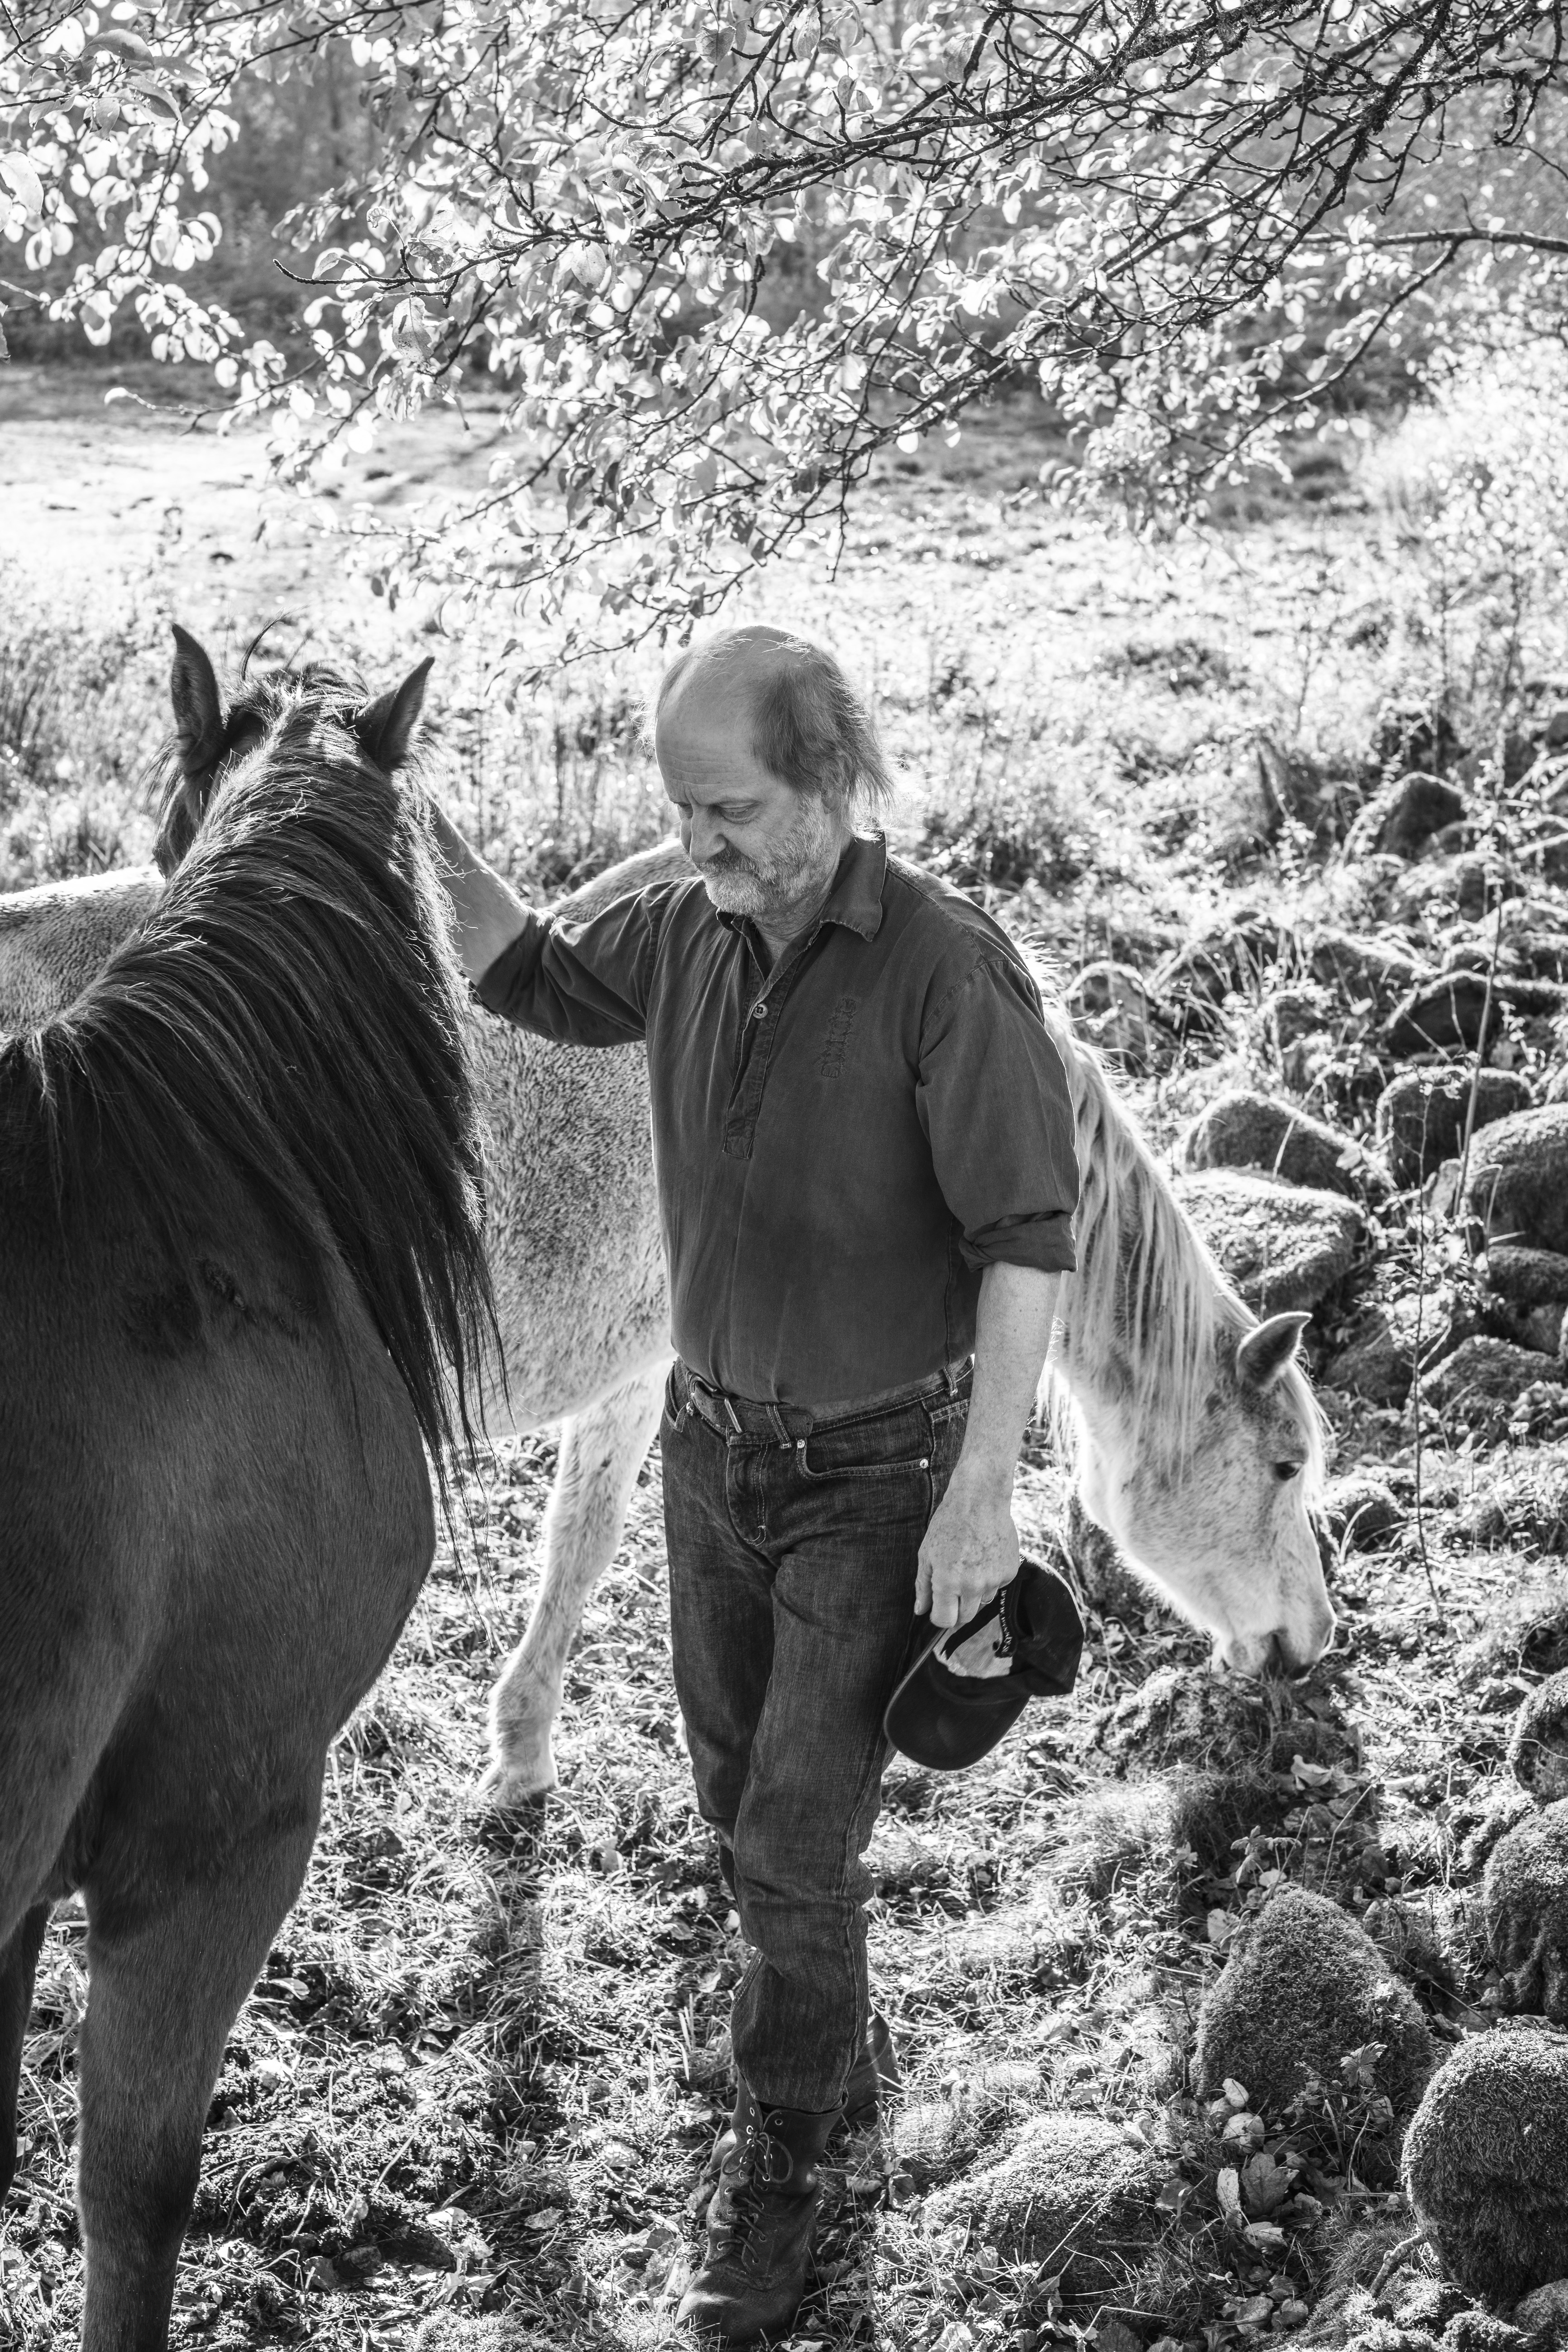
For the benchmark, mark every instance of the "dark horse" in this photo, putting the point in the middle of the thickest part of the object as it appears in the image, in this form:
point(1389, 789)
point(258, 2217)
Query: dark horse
point(241, 1292)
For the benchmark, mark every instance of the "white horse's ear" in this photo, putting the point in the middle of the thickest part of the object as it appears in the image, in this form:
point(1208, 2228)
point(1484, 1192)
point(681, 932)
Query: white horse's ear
point(198, 707)
point(385, 727)
point(1263, 1355)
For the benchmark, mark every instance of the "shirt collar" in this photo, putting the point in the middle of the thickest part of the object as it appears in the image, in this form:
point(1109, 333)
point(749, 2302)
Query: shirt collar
point(856, 898)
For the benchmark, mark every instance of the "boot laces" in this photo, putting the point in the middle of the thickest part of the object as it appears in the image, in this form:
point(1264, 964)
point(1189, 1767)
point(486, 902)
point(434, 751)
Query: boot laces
point(748, 2183)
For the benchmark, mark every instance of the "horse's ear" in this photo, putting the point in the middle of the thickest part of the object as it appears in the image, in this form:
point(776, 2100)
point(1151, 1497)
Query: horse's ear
point(1263, 1355)
point(385, 727)
point(199, 708)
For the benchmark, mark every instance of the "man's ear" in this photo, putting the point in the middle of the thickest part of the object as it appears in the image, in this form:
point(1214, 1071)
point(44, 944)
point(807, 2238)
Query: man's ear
point(199, 708)
point(385, 727)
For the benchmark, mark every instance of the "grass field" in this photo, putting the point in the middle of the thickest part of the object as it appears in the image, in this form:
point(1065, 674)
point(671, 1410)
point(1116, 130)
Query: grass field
point(469, 2100)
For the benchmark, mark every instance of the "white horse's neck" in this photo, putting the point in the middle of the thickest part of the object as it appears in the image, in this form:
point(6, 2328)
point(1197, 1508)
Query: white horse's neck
point(1142, 1317)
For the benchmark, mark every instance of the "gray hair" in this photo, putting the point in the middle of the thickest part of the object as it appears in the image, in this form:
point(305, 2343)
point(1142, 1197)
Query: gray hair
point(809, 727)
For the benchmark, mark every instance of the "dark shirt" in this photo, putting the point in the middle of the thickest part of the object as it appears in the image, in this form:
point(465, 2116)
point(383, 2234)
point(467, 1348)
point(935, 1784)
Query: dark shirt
point(842, 1143)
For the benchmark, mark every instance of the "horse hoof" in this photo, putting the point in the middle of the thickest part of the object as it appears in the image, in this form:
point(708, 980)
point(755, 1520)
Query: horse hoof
point(514, 1781)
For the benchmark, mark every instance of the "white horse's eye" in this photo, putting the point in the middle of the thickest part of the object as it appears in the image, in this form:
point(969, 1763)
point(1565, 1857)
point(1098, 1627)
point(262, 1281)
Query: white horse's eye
point(1283, 1470)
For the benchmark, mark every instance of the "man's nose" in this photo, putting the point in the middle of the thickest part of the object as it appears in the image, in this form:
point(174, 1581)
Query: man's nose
point(703, 837)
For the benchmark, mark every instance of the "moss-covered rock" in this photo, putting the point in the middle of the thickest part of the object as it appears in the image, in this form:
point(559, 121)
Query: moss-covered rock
point(1361, 1513)
point(1303, 1987)
point(1070, 2187)
point(1421, 1115)
point(1517, 1183)
point(1182, 1715)
point(1538, 1741)
point(1284, 1249)
point(1525, 1897)
point(1244, 1128)
point(1486, 2162)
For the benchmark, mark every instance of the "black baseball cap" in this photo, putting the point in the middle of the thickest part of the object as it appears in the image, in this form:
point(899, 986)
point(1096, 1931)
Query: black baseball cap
point(946, 1720)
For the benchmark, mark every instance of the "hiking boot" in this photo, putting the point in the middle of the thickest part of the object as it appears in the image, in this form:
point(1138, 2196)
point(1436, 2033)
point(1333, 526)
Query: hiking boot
point(875, 2075)
point(759, 2223)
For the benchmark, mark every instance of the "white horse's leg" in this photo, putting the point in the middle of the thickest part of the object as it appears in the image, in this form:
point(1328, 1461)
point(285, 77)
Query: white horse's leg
point(601, 1450)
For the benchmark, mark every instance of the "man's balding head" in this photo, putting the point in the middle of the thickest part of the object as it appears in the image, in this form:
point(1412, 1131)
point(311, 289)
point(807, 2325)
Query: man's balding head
point(795, 711)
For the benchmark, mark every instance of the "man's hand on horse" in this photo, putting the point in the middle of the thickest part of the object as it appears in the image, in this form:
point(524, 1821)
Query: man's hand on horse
point(970, 1552)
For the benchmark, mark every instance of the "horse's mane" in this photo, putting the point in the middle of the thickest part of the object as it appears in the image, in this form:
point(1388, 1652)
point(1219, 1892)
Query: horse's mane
point(1149, 1306)
point(289, 1011)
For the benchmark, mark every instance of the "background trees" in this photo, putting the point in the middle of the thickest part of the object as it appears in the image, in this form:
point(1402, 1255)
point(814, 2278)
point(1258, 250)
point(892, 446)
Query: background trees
point(717, 254)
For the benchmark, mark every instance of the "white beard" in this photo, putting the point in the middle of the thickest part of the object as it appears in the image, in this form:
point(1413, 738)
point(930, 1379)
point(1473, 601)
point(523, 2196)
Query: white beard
point(755, 886)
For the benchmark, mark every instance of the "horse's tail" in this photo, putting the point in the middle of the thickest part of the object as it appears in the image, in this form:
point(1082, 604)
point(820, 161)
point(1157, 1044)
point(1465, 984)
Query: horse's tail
point(289, 1010)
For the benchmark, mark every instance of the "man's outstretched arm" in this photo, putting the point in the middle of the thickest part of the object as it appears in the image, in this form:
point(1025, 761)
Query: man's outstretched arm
point(489, 913)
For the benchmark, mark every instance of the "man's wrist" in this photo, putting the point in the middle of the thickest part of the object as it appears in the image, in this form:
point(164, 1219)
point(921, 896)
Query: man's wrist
point(984, 1478)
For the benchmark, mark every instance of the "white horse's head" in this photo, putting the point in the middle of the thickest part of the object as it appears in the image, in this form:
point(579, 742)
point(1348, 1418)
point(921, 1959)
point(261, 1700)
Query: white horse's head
point(1199, 1445)
point(1222, 1524)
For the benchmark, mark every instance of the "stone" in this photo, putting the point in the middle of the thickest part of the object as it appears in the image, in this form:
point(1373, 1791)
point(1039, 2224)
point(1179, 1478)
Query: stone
point(1420, 1117)
point(1361, 971)
point(1530, 1278)
point(1518, 1182)
point(1478, 884)
point(1221, 960)
point(1483, 1373)
point(1109, 1006)
point(1486, 2160)
point(1360, 1511)
point(1303, 1986)
point(1243, 1129)
point(1376, 1359)
point(1179, 1716)
point(1524, 1894)
point(1291, 1015)
point(1073, 2188)
point(1526, 1296)
point(1543, 955)
point(1402, 816)
point(1445, 1015)
point(1545, 2313)
point(1303, 793)
point(1538, 1741)
point(1284, 1247)
point(1411, 736)
point(1539, 1328)
point(1532, 1000)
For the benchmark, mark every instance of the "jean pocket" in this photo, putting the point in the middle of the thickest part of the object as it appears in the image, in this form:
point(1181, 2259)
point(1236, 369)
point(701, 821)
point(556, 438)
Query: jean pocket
point(676, 1412)
point(894, 1445)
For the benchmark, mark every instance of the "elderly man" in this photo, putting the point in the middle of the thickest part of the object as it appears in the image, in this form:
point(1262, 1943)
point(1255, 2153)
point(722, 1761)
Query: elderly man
point(864, 1148)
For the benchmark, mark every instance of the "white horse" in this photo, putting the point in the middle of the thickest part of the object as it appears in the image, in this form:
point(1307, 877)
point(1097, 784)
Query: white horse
point(1197, 1441)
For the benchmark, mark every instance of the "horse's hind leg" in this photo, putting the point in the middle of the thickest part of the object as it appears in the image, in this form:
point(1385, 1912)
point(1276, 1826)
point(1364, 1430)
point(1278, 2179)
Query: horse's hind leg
point(173, 1949)
point(600, 1452)
point(18, 1963)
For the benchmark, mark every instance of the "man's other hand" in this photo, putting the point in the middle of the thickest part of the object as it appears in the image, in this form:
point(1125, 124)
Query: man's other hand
point(970, 1550)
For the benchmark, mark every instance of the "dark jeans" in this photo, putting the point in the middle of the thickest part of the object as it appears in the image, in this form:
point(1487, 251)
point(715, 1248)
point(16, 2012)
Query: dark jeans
point(793, 1551)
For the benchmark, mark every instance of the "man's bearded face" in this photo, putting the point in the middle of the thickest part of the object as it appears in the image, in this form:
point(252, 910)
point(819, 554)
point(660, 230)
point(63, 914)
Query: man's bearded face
point(776, 877)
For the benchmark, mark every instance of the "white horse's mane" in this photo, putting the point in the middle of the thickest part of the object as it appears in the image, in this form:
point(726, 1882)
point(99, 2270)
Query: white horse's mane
point(1148, 1308)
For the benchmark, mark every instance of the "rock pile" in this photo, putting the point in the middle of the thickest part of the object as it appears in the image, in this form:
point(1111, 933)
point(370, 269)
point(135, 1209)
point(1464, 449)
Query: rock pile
point(1423, 1047)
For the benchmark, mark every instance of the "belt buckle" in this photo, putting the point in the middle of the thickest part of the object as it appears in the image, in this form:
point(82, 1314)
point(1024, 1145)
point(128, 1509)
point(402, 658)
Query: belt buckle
point(716, 1397)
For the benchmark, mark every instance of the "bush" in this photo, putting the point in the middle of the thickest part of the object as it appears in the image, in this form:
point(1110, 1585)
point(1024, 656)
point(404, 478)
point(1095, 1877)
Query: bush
point(81, 710)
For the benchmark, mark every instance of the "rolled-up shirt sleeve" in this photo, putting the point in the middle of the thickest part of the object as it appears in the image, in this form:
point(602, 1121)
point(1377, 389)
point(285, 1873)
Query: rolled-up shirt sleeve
point(583, 983)
point(994, 1103)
